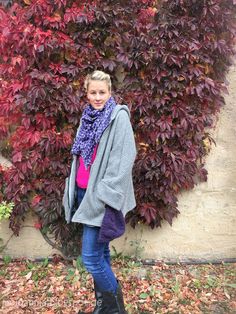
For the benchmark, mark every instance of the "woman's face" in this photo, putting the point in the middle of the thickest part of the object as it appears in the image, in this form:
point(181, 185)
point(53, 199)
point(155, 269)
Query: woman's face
point(98, 93)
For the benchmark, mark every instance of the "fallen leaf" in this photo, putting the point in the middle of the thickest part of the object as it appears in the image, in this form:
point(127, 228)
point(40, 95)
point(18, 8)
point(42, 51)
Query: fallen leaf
point(28, 276)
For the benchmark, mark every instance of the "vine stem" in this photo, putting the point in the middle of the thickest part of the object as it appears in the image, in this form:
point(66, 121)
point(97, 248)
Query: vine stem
point(50, 242)
point(46, 238)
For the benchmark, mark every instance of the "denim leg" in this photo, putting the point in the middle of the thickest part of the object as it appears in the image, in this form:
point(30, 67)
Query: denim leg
point(94, 260)
point(80, 194)
point(107, 255)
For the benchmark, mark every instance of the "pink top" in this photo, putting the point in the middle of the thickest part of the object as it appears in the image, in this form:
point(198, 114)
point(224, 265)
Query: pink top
point(82, 175)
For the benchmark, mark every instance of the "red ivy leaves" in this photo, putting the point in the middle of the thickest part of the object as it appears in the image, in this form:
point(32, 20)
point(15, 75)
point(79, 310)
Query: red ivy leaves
point(37, 225)
point(171, 56)
point(148, 212)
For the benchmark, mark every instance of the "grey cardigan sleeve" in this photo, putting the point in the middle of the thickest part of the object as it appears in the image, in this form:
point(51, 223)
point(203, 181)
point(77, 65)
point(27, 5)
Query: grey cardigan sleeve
point(69, 195)
point(113, 187)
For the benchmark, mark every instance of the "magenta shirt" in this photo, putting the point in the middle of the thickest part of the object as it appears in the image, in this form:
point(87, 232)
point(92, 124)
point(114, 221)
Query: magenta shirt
point(82, 175)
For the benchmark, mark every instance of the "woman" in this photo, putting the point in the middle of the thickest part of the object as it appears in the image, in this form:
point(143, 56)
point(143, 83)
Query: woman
point(101, 176)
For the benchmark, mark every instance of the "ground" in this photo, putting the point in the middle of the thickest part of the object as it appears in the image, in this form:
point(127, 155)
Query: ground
point(65, 287)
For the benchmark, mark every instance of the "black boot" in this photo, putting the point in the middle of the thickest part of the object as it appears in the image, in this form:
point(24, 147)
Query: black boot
point(110, 303)
point(120, 299)
point(99, 300)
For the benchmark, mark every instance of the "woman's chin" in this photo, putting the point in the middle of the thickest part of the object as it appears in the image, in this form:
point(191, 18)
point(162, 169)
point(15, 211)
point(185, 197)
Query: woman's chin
point(98, 106)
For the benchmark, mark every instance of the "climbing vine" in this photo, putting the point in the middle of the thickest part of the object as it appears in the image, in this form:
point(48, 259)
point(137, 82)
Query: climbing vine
point(168, 60)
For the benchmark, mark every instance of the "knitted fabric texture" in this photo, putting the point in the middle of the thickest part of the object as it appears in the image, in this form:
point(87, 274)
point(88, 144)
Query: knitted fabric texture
point(94, 123)
point(113, 225)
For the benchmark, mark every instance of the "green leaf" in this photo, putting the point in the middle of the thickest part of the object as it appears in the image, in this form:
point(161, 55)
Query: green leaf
point(143, 295)
point(232, 285)
point(30, 265)
point(45, 262)
point(6, 210)
point(6, 259)
point(45, 229)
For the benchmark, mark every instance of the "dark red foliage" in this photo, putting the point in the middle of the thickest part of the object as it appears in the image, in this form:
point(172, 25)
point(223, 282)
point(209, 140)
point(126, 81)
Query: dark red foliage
point(168, 60)
point(1, 183)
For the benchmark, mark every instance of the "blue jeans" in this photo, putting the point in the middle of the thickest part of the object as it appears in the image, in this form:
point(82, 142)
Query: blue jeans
point(96, 256)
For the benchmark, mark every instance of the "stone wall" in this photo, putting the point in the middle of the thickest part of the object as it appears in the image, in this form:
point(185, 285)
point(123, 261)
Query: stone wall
point(206, 226)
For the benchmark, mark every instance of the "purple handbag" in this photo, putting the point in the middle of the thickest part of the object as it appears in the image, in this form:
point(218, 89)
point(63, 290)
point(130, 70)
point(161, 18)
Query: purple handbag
point(113, 225)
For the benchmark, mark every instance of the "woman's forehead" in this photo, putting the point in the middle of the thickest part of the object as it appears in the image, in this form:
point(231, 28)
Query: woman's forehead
point(95, 85)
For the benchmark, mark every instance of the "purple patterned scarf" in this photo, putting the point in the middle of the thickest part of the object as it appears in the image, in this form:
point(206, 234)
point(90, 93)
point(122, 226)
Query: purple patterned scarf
point(94, 123)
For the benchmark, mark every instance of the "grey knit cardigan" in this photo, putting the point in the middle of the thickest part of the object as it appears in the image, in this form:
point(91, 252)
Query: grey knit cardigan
point(110, 180)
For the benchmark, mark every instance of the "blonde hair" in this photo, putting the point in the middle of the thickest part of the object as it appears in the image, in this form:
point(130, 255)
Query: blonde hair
point(97, 76)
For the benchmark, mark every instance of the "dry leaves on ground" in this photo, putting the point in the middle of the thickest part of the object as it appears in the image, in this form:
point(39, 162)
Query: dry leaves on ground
point(63, 287)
